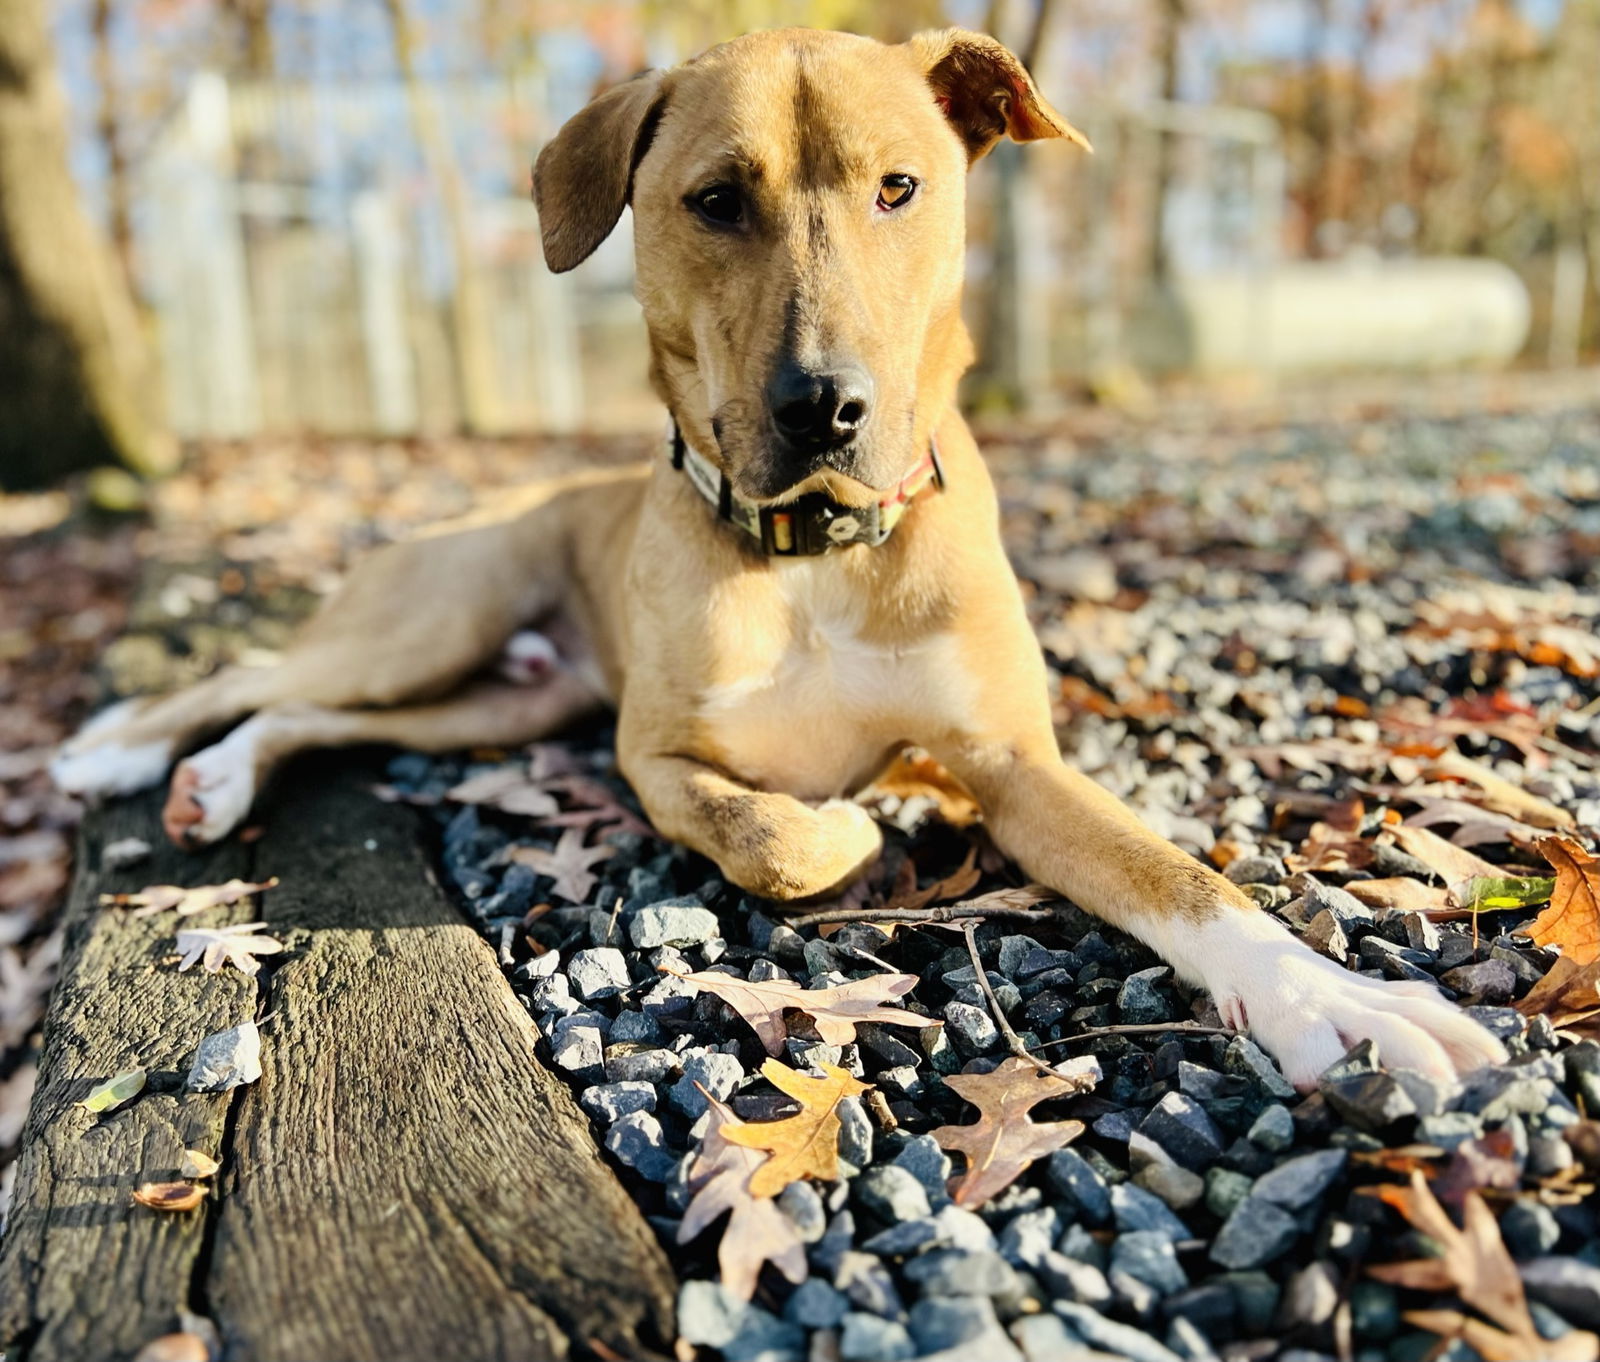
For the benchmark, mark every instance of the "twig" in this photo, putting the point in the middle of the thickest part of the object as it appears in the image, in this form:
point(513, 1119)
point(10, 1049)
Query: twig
point(1012, 1039)
point(919, 917)
point(1178, 1028)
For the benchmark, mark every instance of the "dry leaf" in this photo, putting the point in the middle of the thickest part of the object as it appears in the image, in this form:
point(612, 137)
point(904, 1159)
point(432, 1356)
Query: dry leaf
point(111, 1094)
point(1498, 794)
point(1473, 1263)
point(509, 789)
point(568, 864)
point(1450, 862)
point(952, 886)
point(835, 1011)
point(1334, 842)
point(220, 946)
point(757, 1231)
point(158, 898)
point(197, 1165)
point(1572, 921)
point(1401, 893)
point(596, 805)
point(1004, 1142)
point(805, 1145)
point(170, 1196)
point(913, 774)
point(1569, 995)
point(174, 1348)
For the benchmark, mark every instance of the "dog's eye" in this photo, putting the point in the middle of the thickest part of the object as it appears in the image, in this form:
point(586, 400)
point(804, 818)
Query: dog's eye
point(895, 192)
point(721, 204)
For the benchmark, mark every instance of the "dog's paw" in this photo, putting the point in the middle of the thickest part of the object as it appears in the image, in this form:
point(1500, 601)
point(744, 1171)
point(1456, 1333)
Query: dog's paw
point(95, 765)
point(527, 658)
point(211, 792)
point(1307, 1011)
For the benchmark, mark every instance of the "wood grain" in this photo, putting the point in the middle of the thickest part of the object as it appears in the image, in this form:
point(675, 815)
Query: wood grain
point(405, 1180)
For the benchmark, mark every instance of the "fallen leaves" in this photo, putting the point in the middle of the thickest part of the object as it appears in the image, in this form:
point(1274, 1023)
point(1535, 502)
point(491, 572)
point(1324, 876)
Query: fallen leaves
point(227, 1059)
point(905, 894)
point(835, 1012)
point(1450, 862)
point(1569, 995)
point(757, 1232)
point(159, 898)
point(111, 1094)
point(805, 1145)
point(1004, 1141)
point(1474, 1264)
point(509, 789)
point(567, 864)
point(218, 947)
point(169, 1196)
point(1572, 921)
point(197, 1164)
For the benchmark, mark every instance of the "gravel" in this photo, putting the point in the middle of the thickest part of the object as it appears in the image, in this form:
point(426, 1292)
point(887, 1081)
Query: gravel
point(1256, 594)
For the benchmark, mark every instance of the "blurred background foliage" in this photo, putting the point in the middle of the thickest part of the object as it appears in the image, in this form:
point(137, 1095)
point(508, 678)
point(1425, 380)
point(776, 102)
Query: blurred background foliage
point(320, 213)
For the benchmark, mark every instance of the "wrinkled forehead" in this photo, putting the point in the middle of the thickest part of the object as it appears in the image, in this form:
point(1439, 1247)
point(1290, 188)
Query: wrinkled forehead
point(811, 110)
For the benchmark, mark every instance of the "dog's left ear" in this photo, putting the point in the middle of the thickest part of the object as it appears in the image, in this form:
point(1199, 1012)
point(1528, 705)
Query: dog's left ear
point(985, 92)
point(584, 178)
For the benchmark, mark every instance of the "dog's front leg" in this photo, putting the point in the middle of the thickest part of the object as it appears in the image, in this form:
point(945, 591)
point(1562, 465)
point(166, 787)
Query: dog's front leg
point(770, 844)
point(1072, 835)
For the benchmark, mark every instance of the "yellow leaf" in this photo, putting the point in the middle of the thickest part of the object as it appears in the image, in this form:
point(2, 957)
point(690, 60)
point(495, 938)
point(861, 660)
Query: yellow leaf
point(805, 1145)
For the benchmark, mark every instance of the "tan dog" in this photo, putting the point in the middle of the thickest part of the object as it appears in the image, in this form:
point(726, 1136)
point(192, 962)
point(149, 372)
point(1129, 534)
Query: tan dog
point(799, 205)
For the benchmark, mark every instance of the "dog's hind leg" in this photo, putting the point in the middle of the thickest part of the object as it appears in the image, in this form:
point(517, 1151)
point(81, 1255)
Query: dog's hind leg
point(213, 790)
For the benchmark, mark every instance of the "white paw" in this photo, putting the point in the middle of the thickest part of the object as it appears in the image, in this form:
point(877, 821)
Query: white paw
point(212, 791)
point(1306, 1011)
point(93, 765)
point(527, 658)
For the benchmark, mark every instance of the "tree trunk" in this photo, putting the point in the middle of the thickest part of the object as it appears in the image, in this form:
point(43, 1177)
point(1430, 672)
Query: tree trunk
point(109, 126)
point(469, 310)
point(76, 377)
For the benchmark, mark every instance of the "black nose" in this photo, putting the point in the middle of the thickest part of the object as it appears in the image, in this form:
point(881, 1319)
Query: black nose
point(819, 411)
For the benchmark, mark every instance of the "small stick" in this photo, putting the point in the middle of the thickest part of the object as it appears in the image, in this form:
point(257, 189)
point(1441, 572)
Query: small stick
point(1012, 1039)
point(1178, 1028)
point(878, 1105)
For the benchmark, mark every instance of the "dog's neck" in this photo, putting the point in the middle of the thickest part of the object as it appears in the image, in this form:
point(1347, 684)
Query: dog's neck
point(811, 524)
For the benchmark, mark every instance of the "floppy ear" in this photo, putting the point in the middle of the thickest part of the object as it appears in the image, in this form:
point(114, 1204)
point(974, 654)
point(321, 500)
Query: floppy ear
point(985, 92)
point(583, 179)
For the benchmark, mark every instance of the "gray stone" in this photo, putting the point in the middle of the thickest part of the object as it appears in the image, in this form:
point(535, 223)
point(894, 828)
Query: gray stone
point(1489, 982)
point(1325, 935)
point(1449, 1130)
point(636, 1141)
point(855, 1132)
point(1273, 1129)
point(1328, 898)
point(1369, 1101)
point(971, 1028)
point(1310, 1297)
point(867, 1338)
point(607, 1102)
point(669, 997)
point(1027, 1237)
point(763, 1337)
point(829, 1251)
point(1568, 1286)
point(717, 1073)
point(1185, 1339)
point(552, 994)
point(1297, 1184)
point(891, 1193)
point(1247, 1059)
point(960, 1228)
point(1044, 1338)
point(922, 1157)
point(942, 1322)
point(1076, 1179)
point(906, 1237)
point(580, 1050)
point(1374, 1311)
point(1176, 1186)
point(1256, 870)
point(1430, 1094)
point(802, 1203)
point(1225, 1189)
point(627, 1064)
point(600, 972)
point(864, 1278)
point(816, 1305)
point(1257, 1232)
point(1069, 1278)
point(1014, 952)
point(1529, 1229)
point(1181, 1127)
point(1079, 1243)
point(961, 1272)
point(1121, 1340)
point(1139, 1002)
point(1148, 1256)
point(675, 922)
point(634, 1026)
point(709, 1314)
point(1137, 1209)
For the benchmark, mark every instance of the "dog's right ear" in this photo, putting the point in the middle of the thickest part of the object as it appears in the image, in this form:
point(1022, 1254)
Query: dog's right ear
point(584, 178)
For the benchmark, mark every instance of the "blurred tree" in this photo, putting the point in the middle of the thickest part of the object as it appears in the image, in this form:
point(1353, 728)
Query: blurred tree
point(108, 124)
point(75, 371)
point(253, 21)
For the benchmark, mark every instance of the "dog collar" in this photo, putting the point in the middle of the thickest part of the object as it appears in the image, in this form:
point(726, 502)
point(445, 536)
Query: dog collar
point(811, 524)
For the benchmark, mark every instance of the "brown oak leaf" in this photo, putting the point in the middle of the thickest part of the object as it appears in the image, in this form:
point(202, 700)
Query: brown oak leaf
point(507, 788)
point(1475, 1265)
point(836, 1012)
point(567, 864)
point(805, 1145)
point(158, 898)
point(1572, 921)
point(906, 895)
point(1001, 1145)
point(1570, 996)
point(757, 1231)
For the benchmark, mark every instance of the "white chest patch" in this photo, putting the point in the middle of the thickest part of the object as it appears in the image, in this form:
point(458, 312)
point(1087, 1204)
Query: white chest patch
point(811, 708)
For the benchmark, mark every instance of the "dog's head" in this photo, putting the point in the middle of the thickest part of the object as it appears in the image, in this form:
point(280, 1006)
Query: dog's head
point(799, 203)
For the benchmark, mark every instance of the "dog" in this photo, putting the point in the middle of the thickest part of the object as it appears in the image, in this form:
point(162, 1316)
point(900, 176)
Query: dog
point(809, 582)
